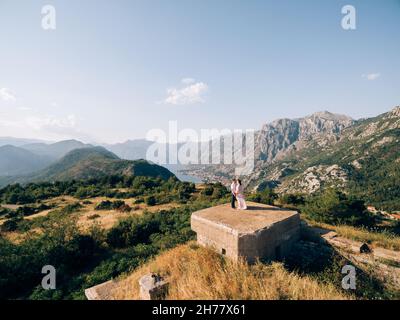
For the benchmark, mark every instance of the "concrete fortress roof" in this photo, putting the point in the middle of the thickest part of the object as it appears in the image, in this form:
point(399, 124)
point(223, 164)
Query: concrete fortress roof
point(257, 217)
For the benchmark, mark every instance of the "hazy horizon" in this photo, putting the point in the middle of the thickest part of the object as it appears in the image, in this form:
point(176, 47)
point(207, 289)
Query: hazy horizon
point(144, 138)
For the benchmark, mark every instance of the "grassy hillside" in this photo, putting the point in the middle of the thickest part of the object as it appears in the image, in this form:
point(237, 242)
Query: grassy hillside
point(200, 273)
point(76, 162)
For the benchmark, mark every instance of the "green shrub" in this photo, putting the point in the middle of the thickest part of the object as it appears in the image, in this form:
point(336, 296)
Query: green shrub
point(10, 225)
point(132, 231)
point(110, 205)
point(138, 201)
point(93, 216)
point(117, 204)
point(71, 208)
point(124, 208)
point(292, 199)
point(4, 211)
point(27, 210)
point(334, 207)
point(104, 205)
point(151, 201)
point(267, 196)
point(208, 190)
point(219, 191)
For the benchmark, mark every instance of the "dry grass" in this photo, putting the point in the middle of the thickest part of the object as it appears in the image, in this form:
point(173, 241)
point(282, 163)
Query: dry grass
point(376, 239)
point(199, 273)
point(108, 218)
point(13, 237)
point(104, 219)
point(17, 237)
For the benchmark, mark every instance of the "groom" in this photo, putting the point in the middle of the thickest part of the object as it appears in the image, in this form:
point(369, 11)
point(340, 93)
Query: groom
point(233, 191)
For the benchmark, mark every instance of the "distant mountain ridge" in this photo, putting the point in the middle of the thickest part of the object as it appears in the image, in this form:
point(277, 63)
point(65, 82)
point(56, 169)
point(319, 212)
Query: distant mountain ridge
point(34, 157)
point(88, 163)
point(130, 149)
point(55, 150)
point(17, 142)
point(28, 156)
point(16, 160)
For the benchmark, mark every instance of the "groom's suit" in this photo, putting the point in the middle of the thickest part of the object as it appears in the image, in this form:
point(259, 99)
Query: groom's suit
point(233, 198)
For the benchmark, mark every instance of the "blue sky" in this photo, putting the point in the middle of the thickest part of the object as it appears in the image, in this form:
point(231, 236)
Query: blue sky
point(112, 70)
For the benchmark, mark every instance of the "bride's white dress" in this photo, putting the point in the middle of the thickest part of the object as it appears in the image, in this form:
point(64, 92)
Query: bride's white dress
point(240, 198)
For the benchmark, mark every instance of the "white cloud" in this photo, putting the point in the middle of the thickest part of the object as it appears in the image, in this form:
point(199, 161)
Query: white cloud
point(371, 76)
point(192, 92)
point(11, 123)
point(42, 126)
point(50, 122)
point(41, 123)
point(7, 95)
point(56, 128)
point(24, 108)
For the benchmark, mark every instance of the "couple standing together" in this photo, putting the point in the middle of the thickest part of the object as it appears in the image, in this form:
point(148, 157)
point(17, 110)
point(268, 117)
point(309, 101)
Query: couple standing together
point(237, 194)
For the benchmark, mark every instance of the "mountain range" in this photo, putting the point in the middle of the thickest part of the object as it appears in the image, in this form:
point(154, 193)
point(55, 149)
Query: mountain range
point(16, 160)
point(27, 158)
point(300, 155)
point(308, 154)
point(363, 159)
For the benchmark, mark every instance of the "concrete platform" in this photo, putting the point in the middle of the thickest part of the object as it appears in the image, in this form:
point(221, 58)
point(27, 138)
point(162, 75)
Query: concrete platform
point(260, 232)
point(102, 291)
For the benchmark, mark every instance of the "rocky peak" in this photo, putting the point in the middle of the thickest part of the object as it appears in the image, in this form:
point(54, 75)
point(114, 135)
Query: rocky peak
point(323, 122)
point(326, 115)
point(394, 113)
point(281, 135)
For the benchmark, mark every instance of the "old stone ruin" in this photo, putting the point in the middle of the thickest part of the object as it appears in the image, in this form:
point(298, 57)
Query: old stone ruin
point(261, 232)
point(152, 287)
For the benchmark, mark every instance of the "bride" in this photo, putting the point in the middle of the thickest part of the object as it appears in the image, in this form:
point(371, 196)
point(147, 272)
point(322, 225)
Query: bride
point(239, 196)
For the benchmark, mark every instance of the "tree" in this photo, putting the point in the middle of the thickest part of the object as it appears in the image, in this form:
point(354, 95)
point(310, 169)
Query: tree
point(334, 207)
point(208, 190)
point(267, 196)
point(151, 201)
point(293, 199)
point(10, 225)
